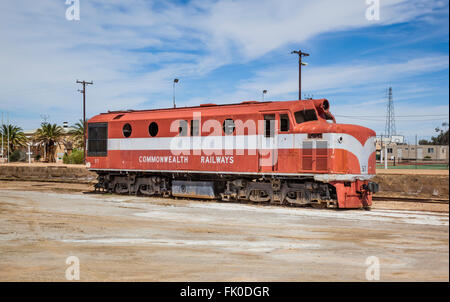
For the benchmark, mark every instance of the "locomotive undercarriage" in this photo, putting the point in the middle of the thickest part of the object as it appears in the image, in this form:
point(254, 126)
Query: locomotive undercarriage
point(284, 191)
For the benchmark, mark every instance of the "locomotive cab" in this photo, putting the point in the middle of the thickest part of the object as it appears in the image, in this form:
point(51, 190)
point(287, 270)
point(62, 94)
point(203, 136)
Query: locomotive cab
point(340, 154)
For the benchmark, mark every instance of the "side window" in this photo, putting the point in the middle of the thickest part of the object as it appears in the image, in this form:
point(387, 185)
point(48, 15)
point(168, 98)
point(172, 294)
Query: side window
point(183, 128)
point(305, 116)
point(228, 126)
point(269, 125)
point(194, 127)
point(284, 122)
point(126, 130)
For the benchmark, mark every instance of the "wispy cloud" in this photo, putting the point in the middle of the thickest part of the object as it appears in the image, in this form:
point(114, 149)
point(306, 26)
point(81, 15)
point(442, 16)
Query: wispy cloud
point(133, 49)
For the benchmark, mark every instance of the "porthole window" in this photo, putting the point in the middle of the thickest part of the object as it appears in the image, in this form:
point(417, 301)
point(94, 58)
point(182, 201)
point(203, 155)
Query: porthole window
point(126, 130)
point(153, 129)
point(228, 126)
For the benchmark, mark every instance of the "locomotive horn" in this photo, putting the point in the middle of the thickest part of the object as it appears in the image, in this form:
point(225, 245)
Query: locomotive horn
point(322, 104)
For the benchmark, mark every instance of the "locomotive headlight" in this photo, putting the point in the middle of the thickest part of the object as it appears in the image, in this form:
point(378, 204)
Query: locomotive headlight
point(340, 140)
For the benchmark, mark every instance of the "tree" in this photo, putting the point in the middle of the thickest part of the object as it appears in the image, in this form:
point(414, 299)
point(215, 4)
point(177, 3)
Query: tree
point(51, 135)
point(442, 138)
point(78, 133)
point(17, 138)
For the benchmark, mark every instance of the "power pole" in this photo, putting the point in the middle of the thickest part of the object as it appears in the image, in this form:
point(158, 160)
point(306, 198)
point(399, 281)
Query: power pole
point(300, 63)
point(174, 82)
point(416, 151)
point(84, 114)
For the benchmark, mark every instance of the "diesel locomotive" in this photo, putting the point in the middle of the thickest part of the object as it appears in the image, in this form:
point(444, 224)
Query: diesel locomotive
point(287, 152)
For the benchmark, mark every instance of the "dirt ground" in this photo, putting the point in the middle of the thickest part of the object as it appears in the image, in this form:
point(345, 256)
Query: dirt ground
point(123, 238)
point(412, 171)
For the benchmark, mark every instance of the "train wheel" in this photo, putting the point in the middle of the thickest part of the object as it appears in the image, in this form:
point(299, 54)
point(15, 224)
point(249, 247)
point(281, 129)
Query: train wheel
point(121, 188)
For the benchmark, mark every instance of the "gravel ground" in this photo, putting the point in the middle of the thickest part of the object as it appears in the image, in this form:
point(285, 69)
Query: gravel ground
point(122, 238)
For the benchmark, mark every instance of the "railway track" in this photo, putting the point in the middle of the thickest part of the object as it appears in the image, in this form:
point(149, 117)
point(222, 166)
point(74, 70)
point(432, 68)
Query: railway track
point(411, 199)
point(374, 198)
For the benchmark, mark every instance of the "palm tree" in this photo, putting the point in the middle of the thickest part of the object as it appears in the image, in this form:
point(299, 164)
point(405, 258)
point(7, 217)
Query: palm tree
point(51, 135)
point(16, 137)
point(78, 133)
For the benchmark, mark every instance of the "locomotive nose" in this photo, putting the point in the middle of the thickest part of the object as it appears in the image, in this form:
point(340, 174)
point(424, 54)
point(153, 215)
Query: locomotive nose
point(358, 145)
point(360, 133)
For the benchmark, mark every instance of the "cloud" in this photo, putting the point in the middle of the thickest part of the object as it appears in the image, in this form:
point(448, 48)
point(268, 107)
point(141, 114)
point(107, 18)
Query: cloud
point(133, 49)
point(284, 80)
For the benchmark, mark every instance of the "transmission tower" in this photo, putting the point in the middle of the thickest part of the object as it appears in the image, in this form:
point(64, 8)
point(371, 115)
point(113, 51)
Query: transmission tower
point(390, 116)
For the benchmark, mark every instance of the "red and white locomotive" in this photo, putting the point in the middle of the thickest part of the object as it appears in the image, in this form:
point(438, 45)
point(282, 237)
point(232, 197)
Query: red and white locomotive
point(290, 152)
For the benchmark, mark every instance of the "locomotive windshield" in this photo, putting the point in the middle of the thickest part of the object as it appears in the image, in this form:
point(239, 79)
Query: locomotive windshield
point(305, 116)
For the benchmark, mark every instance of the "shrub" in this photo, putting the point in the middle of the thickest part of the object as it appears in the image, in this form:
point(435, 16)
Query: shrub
point(17, 156)
point(66, 159)
point(76, 157)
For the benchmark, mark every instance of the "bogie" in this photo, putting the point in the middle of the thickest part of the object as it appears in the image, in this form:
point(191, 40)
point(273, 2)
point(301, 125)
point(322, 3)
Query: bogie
point(274, 191)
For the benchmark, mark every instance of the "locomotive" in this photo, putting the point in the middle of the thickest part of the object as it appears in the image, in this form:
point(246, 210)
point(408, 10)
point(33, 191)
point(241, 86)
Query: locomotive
point(284, 152)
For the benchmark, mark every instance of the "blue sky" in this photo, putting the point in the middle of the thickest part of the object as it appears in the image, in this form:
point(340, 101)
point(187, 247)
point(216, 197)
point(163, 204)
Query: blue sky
point(224, 52)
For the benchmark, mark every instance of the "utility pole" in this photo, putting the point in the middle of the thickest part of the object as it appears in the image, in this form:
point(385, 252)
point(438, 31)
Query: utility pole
point(29, 153)
point(84, 114)
point(385, 156)
point(174, 82)
point(381, 150)
point(300, 64)
point(416, 151)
